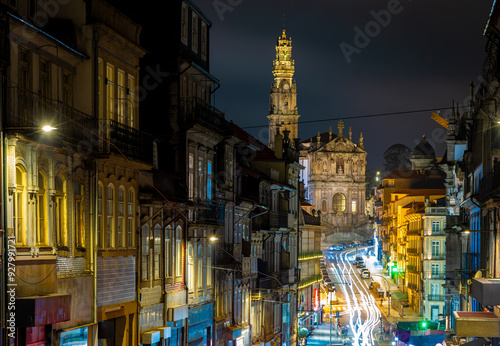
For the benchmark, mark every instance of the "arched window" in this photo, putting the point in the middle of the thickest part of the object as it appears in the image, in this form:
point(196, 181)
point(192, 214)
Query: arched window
point(130, 217)
point(41, 210)
point(354, 206)
point(145, 252)
point(157, 250)
point(100, 225)
point(110, 204)
point(209, 266)
point(121, 220)
point(168, 251)
point(79, 223)
point(60, 196)
point(178, 251)
point(19, 207)
point(338, 202)
point(190, 269)
point(200, 267)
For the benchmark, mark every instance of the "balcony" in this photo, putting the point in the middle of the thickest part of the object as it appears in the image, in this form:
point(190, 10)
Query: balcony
point(208, 213)
point(312, 220)
point(121, 139)
point(476, 324)
point(436, 211)
point(436, 298)
point(488, 186)
point(273, 219)
point(411, 268)
point(197, 111)
point(310, 281)
point(439, 275)
point(28, 111)
point(310, 255)
point(412, 251)
point(288, 276)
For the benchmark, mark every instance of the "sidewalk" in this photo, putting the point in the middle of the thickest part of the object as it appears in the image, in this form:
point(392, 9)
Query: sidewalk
point(392, 315)
point(321, 336)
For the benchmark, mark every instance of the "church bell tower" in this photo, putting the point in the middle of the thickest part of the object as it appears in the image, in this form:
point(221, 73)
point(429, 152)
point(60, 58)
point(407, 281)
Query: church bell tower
point(283, 113)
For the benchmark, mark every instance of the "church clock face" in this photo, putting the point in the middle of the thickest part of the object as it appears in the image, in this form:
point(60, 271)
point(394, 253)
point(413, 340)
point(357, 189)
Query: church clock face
point(286, 86)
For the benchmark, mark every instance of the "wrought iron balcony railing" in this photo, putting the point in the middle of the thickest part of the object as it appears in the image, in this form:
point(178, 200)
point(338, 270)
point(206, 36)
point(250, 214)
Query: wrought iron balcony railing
point(198, 111)
point(208, 213)
point(27, 111)
point(435, 298)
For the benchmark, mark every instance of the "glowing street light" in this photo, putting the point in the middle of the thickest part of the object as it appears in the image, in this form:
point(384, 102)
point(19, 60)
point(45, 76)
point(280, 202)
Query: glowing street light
point(48, 128)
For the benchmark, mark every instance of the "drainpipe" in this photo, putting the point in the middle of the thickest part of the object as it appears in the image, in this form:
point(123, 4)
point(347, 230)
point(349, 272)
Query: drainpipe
point(94, 233)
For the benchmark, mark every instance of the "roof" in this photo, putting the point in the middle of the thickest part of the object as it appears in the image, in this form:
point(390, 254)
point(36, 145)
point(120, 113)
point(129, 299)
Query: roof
point(324, 138)
point(424, 148)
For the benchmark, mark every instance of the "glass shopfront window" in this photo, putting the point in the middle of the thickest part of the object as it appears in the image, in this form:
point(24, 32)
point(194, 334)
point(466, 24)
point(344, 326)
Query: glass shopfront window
point(75, 337)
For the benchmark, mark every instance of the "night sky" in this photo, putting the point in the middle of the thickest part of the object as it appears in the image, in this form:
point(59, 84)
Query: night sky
point(422, 57)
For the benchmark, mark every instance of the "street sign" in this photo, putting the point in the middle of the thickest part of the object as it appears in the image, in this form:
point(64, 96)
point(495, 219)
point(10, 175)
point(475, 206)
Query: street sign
point(337, 314)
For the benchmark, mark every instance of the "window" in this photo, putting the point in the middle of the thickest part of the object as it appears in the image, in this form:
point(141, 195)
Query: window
point(45, 90)
point(110, 91)
point(79, 222)
point(184, 23)
point(209, 180)
point(120, 111)
point(209, 266)
point(201, 182)
point(41, 210)
point(60, 197)
point(354, 207)
point(157, 250)
point(145, 252)
point(130, 217)
point(178, 251)
point(340, 165)
point(436, 226)
point(131, 99)
point(339, 202)
point(32, 7)
point(323, 206)
point(191, 176)
point(67, 88)
point(24, 84)
point(200, 267)
point(19, 211)
point(121, 220)
point(194, 33)
point(110, 227)
point(435, 269)
point(168, 251)
point(190, 269)
point(100, 87)
point(204, 36)
point(99, 216)
point(435, 248)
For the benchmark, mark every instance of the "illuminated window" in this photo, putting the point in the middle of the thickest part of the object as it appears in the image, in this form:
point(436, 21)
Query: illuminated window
point(100, 87)
point(130, 217)
point(338, 202)
point(145, 252)
point(131, 99)
point(121, 220)
point(190, 269)
point(19, 211)
point(110, 227)
point(354, 207)
point(100, 225)
point(41, 210)
point(436, 248)
point(168, 251)
point(120, 111)
point(178, 251)
point(191, 177)
point(209, 266)
point(184, 23)
point(209, 180)
point(157, 250)
point(110, 91)
point(79, 223)
point(436, 226)
point(60, 197)
point(200, 268)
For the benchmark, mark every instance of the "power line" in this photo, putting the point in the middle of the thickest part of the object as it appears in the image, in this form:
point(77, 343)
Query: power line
point(360, 116)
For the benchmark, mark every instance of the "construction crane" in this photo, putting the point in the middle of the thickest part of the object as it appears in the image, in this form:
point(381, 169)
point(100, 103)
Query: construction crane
point(440, 120)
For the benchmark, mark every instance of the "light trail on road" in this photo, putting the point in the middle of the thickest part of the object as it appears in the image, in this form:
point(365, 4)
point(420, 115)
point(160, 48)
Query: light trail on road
point(357, 296)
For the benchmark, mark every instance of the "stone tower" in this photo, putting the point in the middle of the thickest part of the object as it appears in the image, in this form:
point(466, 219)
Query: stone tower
point(283, 113)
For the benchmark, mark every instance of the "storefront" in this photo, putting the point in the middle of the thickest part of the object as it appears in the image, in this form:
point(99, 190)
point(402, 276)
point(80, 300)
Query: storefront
point(75, 337)
point(200, 325)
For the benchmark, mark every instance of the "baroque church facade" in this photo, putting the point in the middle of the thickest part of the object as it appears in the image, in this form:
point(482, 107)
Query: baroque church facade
point(334, 165)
